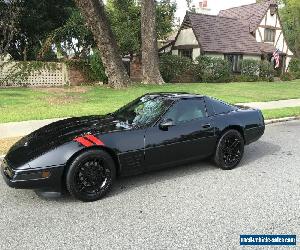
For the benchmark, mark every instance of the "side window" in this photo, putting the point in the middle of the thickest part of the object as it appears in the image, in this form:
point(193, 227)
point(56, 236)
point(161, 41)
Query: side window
point(220, 107)
point(187, 110)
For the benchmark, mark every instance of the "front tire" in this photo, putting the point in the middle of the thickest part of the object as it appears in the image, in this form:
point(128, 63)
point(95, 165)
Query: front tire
point(230, 150)
point(91, 175)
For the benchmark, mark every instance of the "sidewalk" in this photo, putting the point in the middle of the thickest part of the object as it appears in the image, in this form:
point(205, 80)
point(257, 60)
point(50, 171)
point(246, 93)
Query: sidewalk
point(17, 129)
point(273, 104)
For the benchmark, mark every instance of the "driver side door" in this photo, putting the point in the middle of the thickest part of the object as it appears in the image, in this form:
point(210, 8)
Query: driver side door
point(191, 136)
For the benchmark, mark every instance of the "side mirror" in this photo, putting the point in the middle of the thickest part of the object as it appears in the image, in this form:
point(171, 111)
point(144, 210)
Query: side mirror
point(166, 124)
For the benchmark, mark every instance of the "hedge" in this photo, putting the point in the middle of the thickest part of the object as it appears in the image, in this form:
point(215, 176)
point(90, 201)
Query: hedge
point(294, 67)
point(250, 70)
point(172, 66)
point(212, 69)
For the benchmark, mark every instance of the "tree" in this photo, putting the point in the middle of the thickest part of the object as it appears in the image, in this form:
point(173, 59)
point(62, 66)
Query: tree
point(150, 61)
point(97, 21)
point(72, 39)
point(165, 16)
point(9, 23)
point(290, 15)
point(189, 4)
point(38, 19)
point(125, 19)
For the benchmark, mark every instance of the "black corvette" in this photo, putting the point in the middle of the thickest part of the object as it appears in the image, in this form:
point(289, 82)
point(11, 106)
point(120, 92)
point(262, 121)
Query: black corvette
point(85, 155)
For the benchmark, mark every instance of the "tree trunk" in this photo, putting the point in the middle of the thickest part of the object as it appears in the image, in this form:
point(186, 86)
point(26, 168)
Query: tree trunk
point(96, 19)
point(150, 60)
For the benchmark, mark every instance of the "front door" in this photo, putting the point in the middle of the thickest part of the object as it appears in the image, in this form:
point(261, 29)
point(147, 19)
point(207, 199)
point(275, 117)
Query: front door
point(190, 137)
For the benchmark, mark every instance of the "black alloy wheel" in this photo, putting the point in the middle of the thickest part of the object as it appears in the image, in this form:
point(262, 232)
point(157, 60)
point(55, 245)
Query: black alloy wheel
point(230, 150)
point(91, 175)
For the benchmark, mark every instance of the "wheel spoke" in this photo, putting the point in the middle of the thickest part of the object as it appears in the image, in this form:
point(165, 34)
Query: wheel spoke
point(92, 176)
point(231, 150)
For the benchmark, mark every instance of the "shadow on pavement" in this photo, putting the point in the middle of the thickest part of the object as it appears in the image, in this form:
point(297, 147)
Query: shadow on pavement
point(256, 151)
point(253, 152)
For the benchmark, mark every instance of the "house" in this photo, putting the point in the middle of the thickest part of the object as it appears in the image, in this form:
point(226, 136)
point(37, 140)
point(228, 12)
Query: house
point(251, 31)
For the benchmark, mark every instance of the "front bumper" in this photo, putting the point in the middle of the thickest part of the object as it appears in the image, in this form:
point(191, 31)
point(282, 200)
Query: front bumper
point(49, 178)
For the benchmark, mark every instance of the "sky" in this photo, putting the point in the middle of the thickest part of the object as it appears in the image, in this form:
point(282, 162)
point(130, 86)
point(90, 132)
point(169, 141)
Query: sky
point(215, 5)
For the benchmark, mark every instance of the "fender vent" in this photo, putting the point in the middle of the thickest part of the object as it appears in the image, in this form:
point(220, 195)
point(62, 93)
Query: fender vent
point(132, 162)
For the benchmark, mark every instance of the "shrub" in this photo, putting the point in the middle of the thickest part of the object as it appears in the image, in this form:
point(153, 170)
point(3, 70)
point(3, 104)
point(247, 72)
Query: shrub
point(212, 69)
point(172, 66)
point(250, 70)
point(97, 71)
point(266, 71)
point(287, 76)
point(92, 67)
point(294, 67)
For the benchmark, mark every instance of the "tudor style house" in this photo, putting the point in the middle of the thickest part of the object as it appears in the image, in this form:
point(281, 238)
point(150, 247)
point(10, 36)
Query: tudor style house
point(251, 31)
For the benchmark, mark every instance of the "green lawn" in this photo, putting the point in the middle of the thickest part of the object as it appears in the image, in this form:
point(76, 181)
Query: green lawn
point(280, 113)
point(20, 104)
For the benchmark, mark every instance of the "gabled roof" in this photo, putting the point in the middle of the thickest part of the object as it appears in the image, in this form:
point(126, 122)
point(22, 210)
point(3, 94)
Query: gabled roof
point(221, 34)
point(251, 13)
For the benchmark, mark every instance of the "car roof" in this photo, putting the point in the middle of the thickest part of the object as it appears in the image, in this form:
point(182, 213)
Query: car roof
point(175, 95)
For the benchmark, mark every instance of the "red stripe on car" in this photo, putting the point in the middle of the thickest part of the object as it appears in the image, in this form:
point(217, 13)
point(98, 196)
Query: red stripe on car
point(84, 142)
point(94, 139)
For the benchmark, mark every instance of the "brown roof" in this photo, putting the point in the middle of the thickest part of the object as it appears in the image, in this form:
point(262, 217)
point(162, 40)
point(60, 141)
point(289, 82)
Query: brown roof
point(221, 34)
point(251, 13)
point(268, 48)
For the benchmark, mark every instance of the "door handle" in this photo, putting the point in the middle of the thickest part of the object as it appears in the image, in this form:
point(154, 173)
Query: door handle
point(206, 126)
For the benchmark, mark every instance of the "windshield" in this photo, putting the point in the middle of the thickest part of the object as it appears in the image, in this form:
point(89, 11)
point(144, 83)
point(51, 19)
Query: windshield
point(143, 111)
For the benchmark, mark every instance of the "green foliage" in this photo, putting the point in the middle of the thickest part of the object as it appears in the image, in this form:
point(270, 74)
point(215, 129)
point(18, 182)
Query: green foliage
point(9, 23)
point(72, 36)
point(39, 18)
point(125, 19)
point(266, 71)
point(287, 76)
point(294, 67)
point(92, 67)
point(165, 13)
point(290, 16)
point(96, 67)
point(47, 22)
point(250, 70)
point(212, 69)
point(172, 66)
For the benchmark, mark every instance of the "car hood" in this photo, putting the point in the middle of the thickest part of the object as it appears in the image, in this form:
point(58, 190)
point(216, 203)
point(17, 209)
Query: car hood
point(58, 133)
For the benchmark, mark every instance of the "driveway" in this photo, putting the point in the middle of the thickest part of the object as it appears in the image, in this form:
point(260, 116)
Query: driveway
point(189, 207)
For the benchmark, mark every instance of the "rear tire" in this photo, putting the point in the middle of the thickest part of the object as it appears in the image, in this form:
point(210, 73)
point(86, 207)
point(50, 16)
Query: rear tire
point(91, 175)
point(230, 150)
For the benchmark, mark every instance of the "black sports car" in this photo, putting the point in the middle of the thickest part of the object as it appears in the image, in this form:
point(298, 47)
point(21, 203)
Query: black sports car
point(85, 155)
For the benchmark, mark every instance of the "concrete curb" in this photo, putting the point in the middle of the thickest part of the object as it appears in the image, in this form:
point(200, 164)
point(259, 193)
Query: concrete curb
point(285, 119)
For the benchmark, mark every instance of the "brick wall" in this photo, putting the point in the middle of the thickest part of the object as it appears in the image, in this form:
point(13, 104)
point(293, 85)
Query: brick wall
point(136, 73)
point(76, 77)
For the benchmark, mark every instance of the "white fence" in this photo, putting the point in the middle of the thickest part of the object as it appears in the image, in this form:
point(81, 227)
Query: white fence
point(51, 74)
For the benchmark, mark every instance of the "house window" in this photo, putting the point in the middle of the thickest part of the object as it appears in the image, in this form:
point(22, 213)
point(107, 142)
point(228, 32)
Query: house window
point(186, 53)
point(235, 62)
point(270, 35)
point(273, 9)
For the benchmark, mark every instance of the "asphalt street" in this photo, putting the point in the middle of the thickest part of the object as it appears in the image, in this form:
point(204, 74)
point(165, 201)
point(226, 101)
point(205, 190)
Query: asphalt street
point(196, 206)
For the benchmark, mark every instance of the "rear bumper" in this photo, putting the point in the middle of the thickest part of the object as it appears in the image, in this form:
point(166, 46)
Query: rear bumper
point(253, 134)
point(33, 179)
